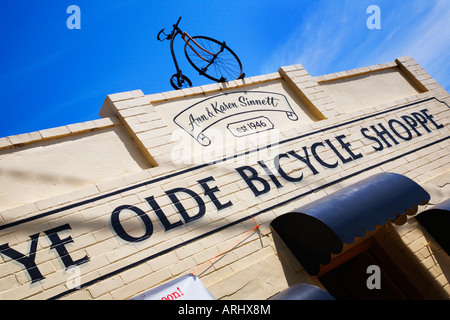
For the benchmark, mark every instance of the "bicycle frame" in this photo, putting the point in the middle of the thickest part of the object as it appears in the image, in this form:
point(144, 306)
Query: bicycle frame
point(184, 34)
point(176, 31)
point(222, 69)
point(172, 36)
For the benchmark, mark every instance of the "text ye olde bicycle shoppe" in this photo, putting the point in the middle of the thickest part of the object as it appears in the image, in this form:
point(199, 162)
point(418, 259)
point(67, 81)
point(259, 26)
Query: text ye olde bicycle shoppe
point(259, 179)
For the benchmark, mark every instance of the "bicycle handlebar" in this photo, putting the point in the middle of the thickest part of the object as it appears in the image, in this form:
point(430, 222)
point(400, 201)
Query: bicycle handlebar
point(176, 25)
point(159, 34)
point(175, 29)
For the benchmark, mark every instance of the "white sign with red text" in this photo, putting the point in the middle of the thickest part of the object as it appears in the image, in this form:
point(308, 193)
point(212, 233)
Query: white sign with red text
point(187, 287)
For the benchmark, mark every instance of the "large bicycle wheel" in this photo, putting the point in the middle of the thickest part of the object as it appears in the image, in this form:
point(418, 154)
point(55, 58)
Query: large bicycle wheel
point(220, 63)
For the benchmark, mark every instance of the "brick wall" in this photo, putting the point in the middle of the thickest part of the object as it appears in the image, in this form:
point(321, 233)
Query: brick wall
point(172, 245)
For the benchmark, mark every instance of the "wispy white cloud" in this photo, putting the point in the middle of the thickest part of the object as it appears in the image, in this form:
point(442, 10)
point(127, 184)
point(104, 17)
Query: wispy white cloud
point(307, 45)
point(335, 38)
point(424, 34)
point(431, 43)
point(318, 41)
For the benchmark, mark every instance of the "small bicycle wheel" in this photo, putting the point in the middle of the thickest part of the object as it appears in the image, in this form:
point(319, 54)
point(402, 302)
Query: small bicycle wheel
point(213, 59)
point(180, 81)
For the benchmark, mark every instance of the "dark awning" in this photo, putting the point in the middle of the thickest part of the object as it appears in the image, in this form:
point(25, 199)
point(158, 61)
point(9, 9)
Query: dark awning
point(303, 291)
point(315, 231)
point(437, 222)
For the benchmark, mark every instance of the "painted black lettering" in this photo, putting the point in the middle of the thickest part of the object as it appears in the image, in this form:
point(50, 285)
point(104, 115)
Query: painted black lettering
point(282, 172)
point(161, 215)
point(27, 261)
point(320, 160)
point(252, 178)
point(270, 174)
point(304, 159)
point(365, 134)
point(346, 146)
point(118, 228)
point(382, 133)
point(344, 160)
point(186, 217)
point(421, 119)
point(408, 133)
point(60, 246)
point(431, 118)
point(412, 124)
point(210, 192)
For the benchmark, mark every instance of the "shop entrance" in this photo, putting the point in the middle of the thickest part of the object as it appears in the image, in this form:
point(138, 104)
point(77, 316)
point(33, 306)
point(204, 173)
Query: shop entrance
point(345, 277)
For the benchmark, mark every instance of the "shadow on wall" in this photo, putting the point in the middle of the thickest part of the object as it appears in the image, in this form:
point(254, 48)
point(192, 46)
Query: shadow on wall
point(58, 166)
point(420, 273)
point(293, 270)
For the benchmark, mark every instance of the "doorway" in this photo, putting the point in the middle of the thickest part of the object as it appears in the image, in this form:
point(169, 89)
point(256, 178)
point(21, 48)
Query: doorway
point(346, 276)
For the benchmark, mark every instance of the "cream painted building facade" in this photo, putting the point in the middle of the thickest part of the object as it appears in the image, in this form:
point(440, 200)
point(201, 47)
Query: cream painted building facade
point(162, 183)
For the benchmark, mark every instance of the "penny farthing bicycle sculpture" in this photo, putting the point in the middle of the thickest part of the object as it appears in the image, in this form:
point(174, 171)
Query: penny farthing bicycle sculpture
point(211, 58)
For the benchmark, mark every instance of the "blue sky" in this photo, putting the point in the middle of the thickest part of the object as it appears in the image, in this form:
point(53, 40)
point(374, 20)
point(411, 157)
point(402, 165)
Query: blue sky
point(51, 76)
